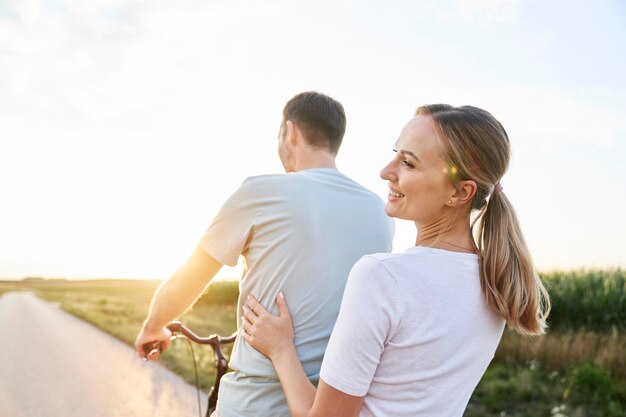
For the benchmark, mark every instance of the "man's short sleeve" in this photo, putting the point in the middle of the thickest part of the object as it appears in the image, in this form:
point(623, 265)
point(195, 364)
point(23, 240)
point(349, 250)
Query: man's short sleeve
point(368, 318)
point(229, 233)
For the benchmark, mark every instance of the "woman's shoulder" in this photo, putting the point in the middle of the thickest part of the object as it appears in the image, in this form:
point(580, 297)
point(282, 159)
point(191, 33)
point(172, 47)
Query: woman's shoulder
point(376, 261)
point(377, 267)
point(417, 263)
point(419, 254)
point(412, 256)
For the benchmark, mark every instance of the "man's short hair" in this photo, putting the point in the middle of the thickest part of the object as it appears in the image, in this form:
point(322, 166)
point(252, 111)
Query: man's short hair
point(320, 118)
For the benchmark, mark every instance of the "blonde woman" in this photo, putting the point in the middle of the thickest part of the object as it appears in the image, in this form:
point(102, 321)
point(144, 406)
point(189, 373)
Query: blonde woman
point(417, 330)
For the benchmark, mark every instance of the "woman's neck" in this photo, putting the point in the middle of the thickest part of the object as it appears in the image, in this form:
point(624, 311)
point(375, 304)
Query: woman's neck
point(445, 233)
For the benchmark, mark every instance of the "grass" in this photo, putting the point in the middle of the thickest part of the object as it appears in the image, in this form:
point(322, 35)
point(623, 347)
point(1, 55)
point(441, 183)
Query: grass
point(577, 370)
point(3, 290)
point(559, 350)
point(530, 390)
point(7, 286)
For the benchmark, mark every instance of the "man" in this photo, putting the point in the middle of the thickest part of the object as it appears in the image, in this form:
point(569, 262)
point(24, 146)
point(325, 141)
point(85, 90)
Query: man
point(300, 233)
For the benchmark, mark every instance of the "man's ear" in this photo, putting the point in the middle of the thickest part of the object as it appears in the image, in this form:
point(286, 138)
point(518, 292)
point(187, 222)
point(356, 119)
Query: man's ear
point(465, 191)
point(291, 132)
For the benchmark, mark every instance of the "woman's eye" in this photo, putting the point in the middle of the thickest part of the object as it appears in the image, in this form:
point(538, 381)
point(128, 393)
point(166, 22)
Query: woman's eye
point(405, 162)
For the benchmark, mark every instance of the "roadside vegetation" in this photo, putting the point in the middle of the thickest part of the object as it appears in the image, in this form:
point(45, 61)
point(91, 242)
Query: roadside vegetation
point(7, 286)
point(577, 370)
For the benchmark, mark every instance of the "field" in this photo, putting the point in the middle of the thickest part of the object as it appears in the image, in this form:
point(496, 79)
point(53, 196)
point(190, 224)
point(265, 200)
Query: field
point(577, 370)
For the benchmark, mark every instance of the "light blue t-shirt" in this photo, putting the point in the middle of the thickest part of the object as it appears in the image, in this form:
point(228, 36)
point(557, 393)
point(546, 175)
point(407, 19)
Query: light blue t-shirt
point(299, 233)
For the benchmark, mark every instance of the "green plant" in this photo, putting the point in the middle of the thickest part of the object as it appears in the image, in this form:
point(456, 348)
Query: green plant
point(220, 292)
point(589, 385)
point(593, 300)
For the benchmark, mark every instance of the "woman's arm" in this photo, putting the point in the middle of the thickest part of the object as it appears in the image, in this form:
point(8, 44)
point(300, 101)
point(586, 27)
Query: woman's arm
point(273, 336)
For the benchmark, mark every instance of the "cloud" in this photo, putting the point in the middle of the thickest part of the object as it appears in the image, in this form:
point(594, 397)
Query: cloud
point(537, 116)
point(122, 61)
point(552, 118)
point(486, 12)
point(26, 11)
point(84, 65)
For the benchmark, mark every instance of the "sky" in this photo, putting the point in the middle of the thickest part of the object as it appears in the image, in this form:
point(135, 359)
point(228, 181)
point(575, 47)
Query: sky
point(125, 124)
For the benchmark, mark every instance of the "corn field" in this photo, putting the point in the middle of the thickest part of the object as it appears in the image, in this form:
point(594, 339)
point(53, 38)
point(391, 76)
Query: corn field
point(593, 300)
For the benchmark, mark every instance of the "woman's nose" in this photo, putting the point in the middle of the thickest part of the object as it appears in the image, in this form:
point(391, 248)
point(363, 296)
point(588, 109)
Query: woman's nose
point(388, 172)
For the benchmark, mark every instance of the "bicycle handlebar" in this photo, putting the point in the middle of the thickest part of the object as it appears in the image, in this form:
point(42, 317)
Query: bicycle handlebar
point(216, 342)
point(213, 340)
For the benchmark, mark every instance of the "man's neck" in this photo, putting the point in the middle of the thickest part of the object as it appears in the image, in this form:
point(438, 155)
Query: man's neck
point(315, 160)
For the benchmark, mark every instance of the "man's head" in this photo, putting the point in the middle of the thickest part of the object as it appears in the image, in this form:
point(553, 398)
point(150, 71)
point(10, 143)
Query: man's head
point(317, 119)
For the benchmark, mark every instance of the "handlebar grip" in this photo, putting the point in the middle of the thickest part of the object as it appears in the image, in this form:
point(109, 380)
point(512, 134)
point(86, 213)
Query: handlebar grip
point(175, 326)
point(151, 348)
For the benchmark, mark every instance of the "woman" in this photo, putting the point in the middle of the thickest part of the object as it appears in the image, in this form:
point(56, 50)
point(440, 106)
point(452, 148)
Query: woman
point(417, 330)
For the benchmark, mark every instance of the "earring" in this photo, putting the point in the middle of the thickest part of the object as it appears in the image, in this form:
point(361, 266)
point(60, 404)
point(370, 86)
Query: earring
point(450, 201)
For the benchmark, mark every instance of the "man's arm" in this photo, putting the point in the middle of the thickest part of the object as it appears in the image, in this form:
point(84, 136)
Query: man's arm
point(174, 297)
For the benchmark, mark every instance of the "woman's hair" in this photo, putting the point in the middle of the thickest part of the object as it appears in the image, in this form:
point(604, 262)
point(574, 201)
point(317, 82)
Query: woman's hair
point(476, 147)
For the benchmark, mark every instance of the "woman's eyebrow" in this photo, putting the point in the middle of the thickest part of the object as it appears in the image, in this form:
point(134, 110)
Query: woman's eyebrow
point(405, 152)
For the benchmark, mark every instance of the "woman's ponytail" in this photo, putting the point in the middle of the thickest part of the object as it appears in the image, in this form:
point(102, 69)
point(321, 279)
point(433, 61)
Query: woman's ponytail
point(507, 276)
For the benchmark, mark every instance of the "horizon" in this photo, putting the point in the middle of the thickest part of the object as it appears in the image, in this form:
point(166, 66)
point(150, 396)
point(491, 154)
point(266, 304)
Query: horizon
point(237, 278)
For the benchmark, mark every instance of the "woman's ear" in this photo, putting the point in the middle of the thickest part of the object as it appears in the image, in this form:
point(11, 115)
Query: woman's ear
point(465, 190)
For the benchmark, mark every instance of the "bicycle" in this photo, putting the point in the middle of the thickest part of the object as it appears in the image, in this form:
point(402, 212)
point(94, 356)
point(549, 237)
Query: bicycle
point(215, 341)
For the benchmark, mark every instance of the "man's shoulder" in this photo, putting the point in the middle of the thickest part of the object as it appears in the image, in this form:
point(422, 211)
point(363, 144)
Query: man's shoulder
point(266, 182)
point(265, 178)
point(309, 183)
point(296, 179)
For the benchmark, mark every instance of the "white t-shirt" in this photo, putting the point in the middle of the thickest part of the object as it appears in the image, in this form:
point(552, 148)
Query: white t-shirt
point(414, 334)
point(300, 233)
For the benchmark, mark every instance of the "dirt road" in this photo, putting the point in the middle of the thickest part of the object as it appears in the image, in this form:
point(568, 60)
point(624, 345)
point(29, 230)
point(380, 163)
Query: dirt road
point(55, 365)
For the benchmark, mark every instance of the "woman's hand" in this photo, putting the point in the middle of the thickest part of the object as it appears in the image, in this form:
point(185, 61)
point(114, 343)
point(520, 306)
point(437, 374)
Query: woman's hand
point(265, 332)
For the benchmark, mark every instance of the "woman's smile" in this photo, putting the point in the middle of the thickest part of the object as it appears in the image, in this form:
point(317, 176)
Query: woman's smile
point(394, 195)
